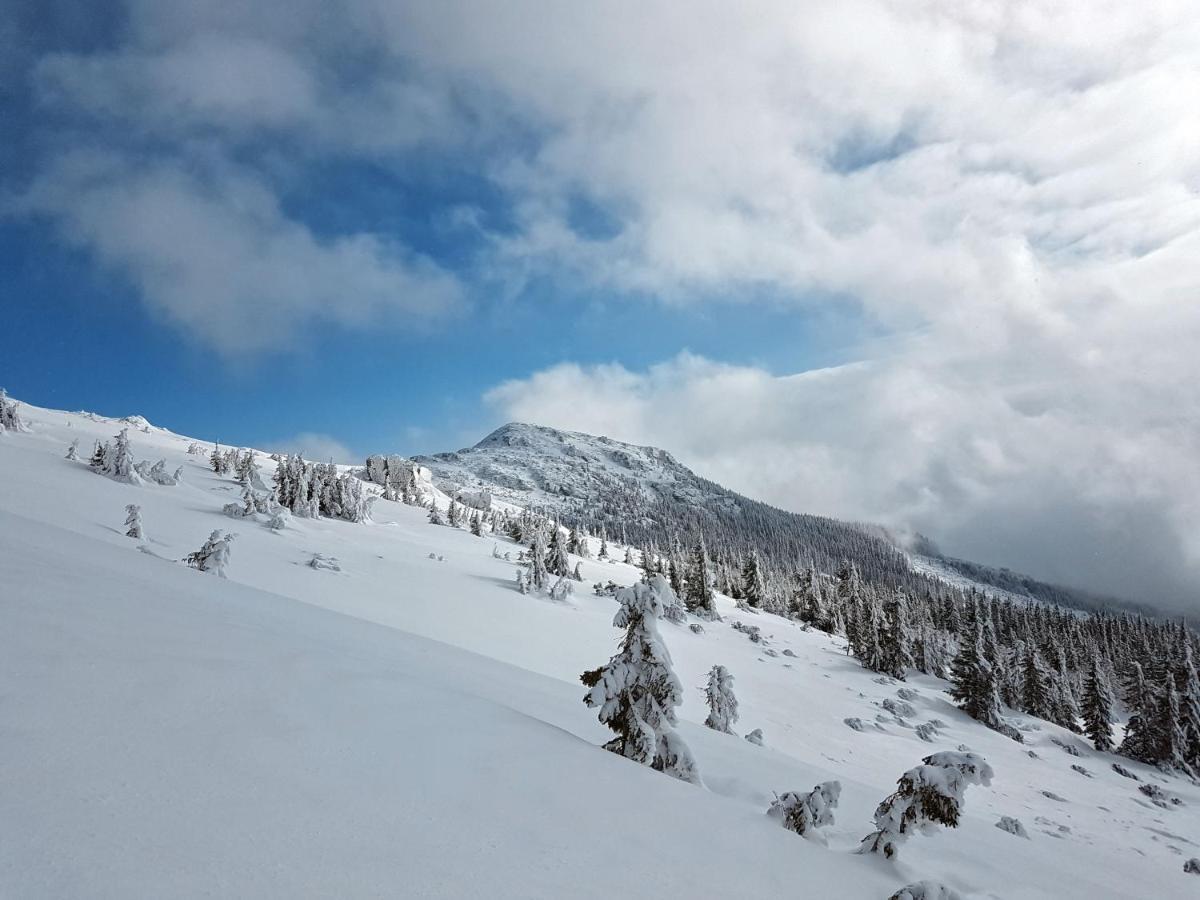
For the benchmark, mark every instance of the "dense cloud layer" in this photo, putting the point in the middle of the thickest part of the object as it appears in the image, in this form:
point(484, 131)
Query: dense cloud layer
point(1008, 189)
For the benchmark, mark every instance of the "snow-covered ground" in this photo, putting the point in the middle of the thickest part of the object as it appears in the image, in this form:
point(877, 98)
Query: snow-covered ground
point(414, 727)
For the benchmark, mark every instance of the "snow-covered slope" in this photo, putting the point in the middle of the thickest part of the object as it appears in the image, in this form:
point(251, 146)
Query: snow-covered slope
point(413, 726)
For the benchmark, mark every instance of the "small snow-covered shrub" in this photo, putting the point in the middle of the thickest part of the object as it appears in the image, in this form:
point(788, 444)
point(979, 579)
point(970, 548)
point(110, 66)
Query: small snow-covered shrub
point(213, 556)
point(899, 708)
point(73, 450)
point(1075, 767)
point(855, 723)
point(1192, 866)
point(278, 520)
point(753, 632)
point(907, 693)
point(1012, 826)
point(805, 813)
point(925, 890)
point(562, 589)
point(10, 419)
point(321, 561)
point(928, 795)
point(926, 732)
point(696, 628)
point(755, 737)
point(1124, 772)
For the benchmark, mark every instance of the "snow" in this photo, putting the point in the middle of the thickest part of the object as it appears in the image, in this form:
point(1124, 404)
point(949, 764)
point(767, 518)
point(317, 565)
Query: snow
point(414, 726)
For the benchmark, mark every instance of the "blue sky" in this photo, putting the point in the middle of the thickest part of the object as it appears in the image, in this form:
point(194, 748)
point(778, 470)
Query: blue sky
point(889, 262)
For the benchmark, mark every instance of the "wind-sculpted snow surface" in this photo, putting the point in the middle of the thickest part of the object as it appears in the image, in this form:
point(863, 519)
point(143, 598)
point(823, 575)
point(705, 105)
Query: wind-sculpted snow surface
point(409, 724)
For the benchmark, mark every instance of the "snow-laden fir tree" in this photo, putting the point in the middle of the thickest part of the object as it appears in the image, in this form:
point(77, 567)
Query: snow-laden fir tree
point(476, 525)
point(1097, 709)
point(722, 704)
point(96, 462)
point(973, 680)
point(754, 588)
point(895, 655)
point(805, 813)
point(453, 514)
point(213, 556)
point(73, 450)
point(700, 599)
point(1037, 697)
point(217, 460)
point(637, 691)
point(557, 563)
point(928, 795)
point(538, 573)
point(603, 554)
point(133, 522)
point(435, 514)
point(1141, 740)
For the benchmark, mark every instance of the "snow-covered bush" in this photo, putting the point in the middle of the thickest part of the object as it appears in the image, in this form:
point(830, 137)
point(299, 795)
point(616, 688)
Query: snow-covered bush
point(214, 555)
point(1012, 826)
point(157, 473)
point(73, 450)
point(805, 813)
point(562, 588)
point(755, 737)
point(928, 795)
point(133, 522)
point(278, 520)
point(10, 419)
point(1192, 866)
point(321, 561)
point(722, 704)
point(925, 890)
point(637, 691)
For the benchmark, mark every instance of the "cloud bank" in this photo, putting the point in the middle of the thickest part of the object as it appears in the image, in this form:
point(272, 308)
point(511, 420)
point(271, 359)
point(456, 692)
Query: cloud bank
point(1008, 189)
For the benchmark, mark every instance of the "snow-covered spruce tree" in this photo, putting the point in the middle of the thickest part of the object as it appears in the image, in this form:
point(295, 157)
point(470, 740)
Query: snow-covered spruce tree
point(603, 554)
point(699, 598)
point(637, 691)
point(217, 460)
point(1037, 698)
point(453, 514)
point(805, 813)
point(557, 563)
point(1171, 740)
point(538, 573)
point(722, 704)
point(435, 514)
point(973, 683)
point(73, 450)
point(754, 588)
point(96, 463)
point(928, 795)
point(476, 525)
point(1141, 739)
point(1187, 682)
point(895, 655)
point(10, 419)
point(1097, 709)
point(213, 556)
point(575, 544)
point(629, 561)
point(133, 522)
point(118, 461)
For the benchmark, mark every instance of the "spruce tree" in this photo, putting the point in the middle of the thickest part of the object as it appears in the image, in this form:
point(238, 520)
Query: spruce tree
point(133, 522)
point(895, 652)
point(722, 704)
point(754, 590)
point(637, 691)
point(1097, 709)
point(1036, 694)
point(699, 597)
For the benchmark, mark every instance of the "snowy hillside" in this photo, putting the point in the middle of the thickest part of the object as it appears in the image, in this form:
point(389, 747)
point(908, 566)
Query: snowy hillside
point(401, 721)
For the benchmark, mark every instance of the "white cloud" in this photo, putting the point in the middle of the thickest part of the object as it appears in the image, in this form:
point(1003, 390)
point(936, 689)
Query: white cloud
point(216, 255)
point(315, 447)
